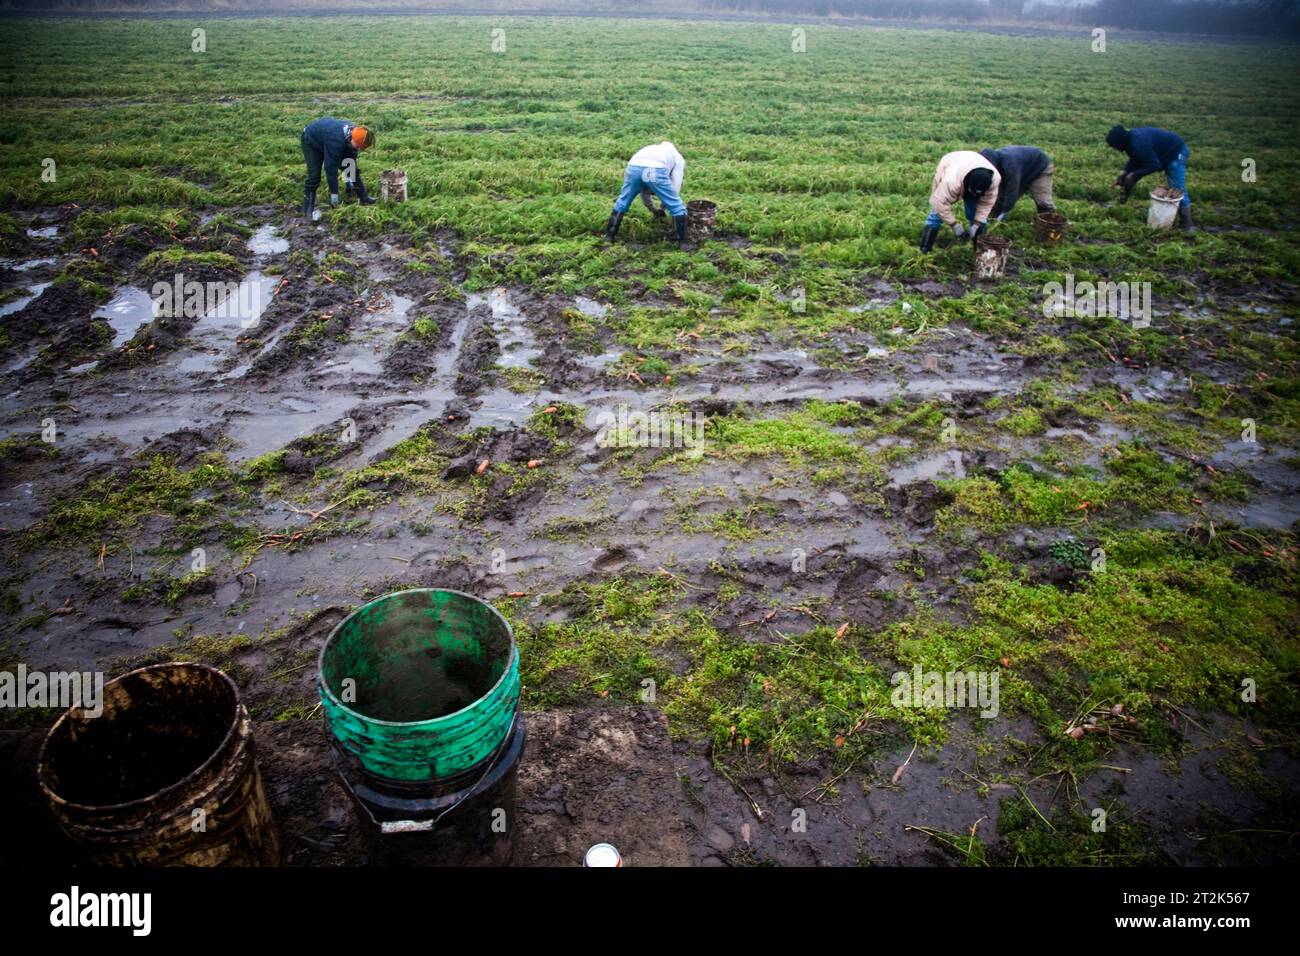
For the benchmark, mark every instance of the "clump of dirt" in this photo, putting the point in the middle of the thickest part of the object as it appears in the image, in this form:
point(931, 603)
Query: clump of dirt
point(326, 315)
point(516, 446)
point(918, 501)
point(122, 249)
point(185, 445)
point(304, 455)
point(61, 316)
point(477, 354)
point(414, 357)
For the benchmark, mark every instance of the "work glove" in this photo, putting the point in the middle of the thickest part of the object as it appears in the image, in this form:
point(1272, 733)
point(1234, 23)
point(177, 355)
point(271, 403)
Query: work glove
point(979, 230)
point(334, 199)
point(1125, 184)
point(958, 229)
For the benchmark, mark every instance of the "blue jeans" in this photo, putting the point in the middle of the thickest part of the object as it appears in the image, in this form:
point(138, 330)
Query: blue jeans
point(657, 181)
point(1176, 177)
point(968, 204)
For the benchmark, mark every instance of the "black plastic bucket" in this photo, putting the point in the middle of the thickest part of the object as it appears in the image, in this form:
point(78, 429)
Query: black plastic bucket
point(165, 776)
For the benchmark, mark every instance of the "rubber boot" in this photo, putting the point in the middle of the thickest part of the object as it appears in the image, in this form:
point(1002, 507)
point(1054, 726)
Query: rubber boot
point(1185, 219)
point(679, 228)
point(928, 235)
point(308, 203)
point(363, 197)
point(611, 227)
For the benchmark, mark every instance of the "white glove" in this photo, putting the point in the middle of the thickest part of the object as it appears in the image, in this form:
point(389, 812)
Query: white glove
point(334, 199)
point(315, 215)
point(958, 229)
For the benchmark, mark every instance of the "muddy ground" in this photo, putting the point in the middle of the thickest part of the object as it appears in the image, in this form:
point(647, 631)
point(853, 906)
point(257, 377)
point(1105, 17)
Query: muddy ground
point(585, 774)
point(347, 352)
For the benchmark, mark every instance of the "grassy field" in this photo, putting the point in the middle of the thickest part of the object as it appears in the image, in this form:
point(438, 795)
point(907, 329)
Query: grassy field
point(1102, 437)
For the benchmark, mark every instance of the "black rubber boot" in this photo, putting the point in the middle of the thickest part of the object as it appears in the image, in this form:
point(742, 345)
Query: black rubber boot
point(363, 197)
point(1185, 219)
point(611, 227)
point(679, 228)
point(308, 203)
point(928, 235)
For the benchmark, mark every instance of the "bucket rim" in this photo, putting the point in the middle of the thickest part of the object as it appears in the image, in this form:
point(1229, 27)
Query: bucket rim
point(1053, 217)
point(337, 629)
point(994, 242)
point(231, 732)
point(1178, 197)
point(702, 204)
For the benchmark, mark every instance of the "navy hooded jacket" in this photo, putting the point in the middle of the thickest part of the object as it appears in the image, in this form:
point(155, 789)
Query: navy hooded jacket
point(333, 139)
point(1151, 149)
point(1018, 166)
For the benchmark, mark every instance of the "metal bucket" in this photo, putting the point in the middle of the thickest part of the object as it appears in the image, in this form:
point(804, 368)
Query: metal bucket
point(392, 185)
point(700, 217)
point(420, 691)
point(1164, 207)
point(165, 776)
point(991, 257)
point(1049, 227)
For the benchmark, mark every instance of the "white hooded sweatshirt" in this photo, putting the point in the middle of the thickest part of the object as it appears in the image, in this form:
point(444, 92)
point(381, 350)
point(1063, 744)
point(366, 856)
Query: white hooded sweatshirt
point(662, 156)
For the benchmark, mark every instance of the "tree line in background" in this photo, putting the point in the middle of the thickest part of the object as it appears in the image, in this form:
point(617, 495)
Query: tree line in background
point(1276, 17)
point(1181, 16)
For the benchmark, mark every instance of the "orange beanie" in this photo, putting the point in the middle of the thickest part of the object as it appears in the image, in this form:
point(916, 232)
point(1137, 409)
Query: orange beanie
point(362, 138)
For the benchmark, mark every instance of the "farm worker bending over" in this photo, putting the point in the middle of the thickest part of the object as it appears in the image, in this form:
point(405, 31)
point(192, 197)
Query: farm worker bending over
point(1152, 149)
point(656, 169)
point(1023, 169)
point(964, 175)
point(331, 143)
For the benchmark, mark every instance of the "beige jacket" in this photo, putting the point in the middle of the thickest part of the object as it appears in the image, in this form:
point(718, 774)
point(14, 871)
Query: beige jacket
point(949, 180)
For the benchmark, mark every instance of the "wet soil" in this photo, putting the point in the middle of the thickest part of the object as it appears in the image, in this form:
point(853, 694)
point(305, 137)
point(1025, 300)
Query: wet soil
point(587, 776)
point(354, 352)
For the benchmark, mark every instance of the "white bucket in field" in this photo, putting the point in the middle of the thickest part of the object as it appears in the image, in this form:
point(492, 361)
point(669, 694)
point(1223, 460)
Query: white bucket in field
point(1163, 209)
point(392, 185)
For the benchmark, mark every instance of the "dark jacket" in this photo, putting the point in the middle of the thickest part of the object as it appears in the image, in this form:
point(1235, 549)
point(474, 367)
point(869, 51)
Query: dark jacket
point(1018, 166)
point(1151, 149)
point(333, 140)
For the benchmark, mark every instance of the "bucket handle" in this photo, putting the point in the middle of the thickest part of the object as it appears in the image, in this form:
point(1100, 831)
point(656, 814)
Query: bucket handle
point(418, 826)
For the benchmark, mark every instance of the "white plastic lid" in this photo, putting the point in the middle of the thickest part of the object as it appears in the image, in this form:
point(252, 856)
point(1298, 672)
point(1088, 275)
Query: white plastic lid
point(603, 854)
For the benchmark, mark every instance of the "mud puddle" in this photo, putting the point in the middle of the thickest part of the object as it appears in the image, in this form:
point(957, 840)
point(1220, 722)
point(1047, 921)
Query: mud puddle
point(518, 347)
point(947, 464)
point(32, 294)
point(213, 338)
point(129, 309)
point(267, 241)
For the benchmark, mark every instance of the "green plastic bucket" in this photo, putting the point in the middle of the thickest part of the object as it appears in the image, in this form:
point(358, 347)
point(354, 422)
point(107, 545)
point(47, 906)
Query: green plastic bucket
point(420, 685)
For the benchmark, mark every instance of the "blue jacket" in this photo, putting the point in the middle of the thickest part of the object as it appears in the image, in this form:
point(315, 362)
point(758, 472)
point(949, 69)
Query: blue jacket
point(1151, 149)
point(1018, 166)
point(333, 140)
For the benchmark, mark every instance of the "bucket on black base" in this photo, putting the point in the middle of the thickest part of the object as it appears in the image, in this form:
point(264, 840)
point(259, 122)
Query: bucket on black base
point(701, 214)
point(420, 691)
point(166, 775)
